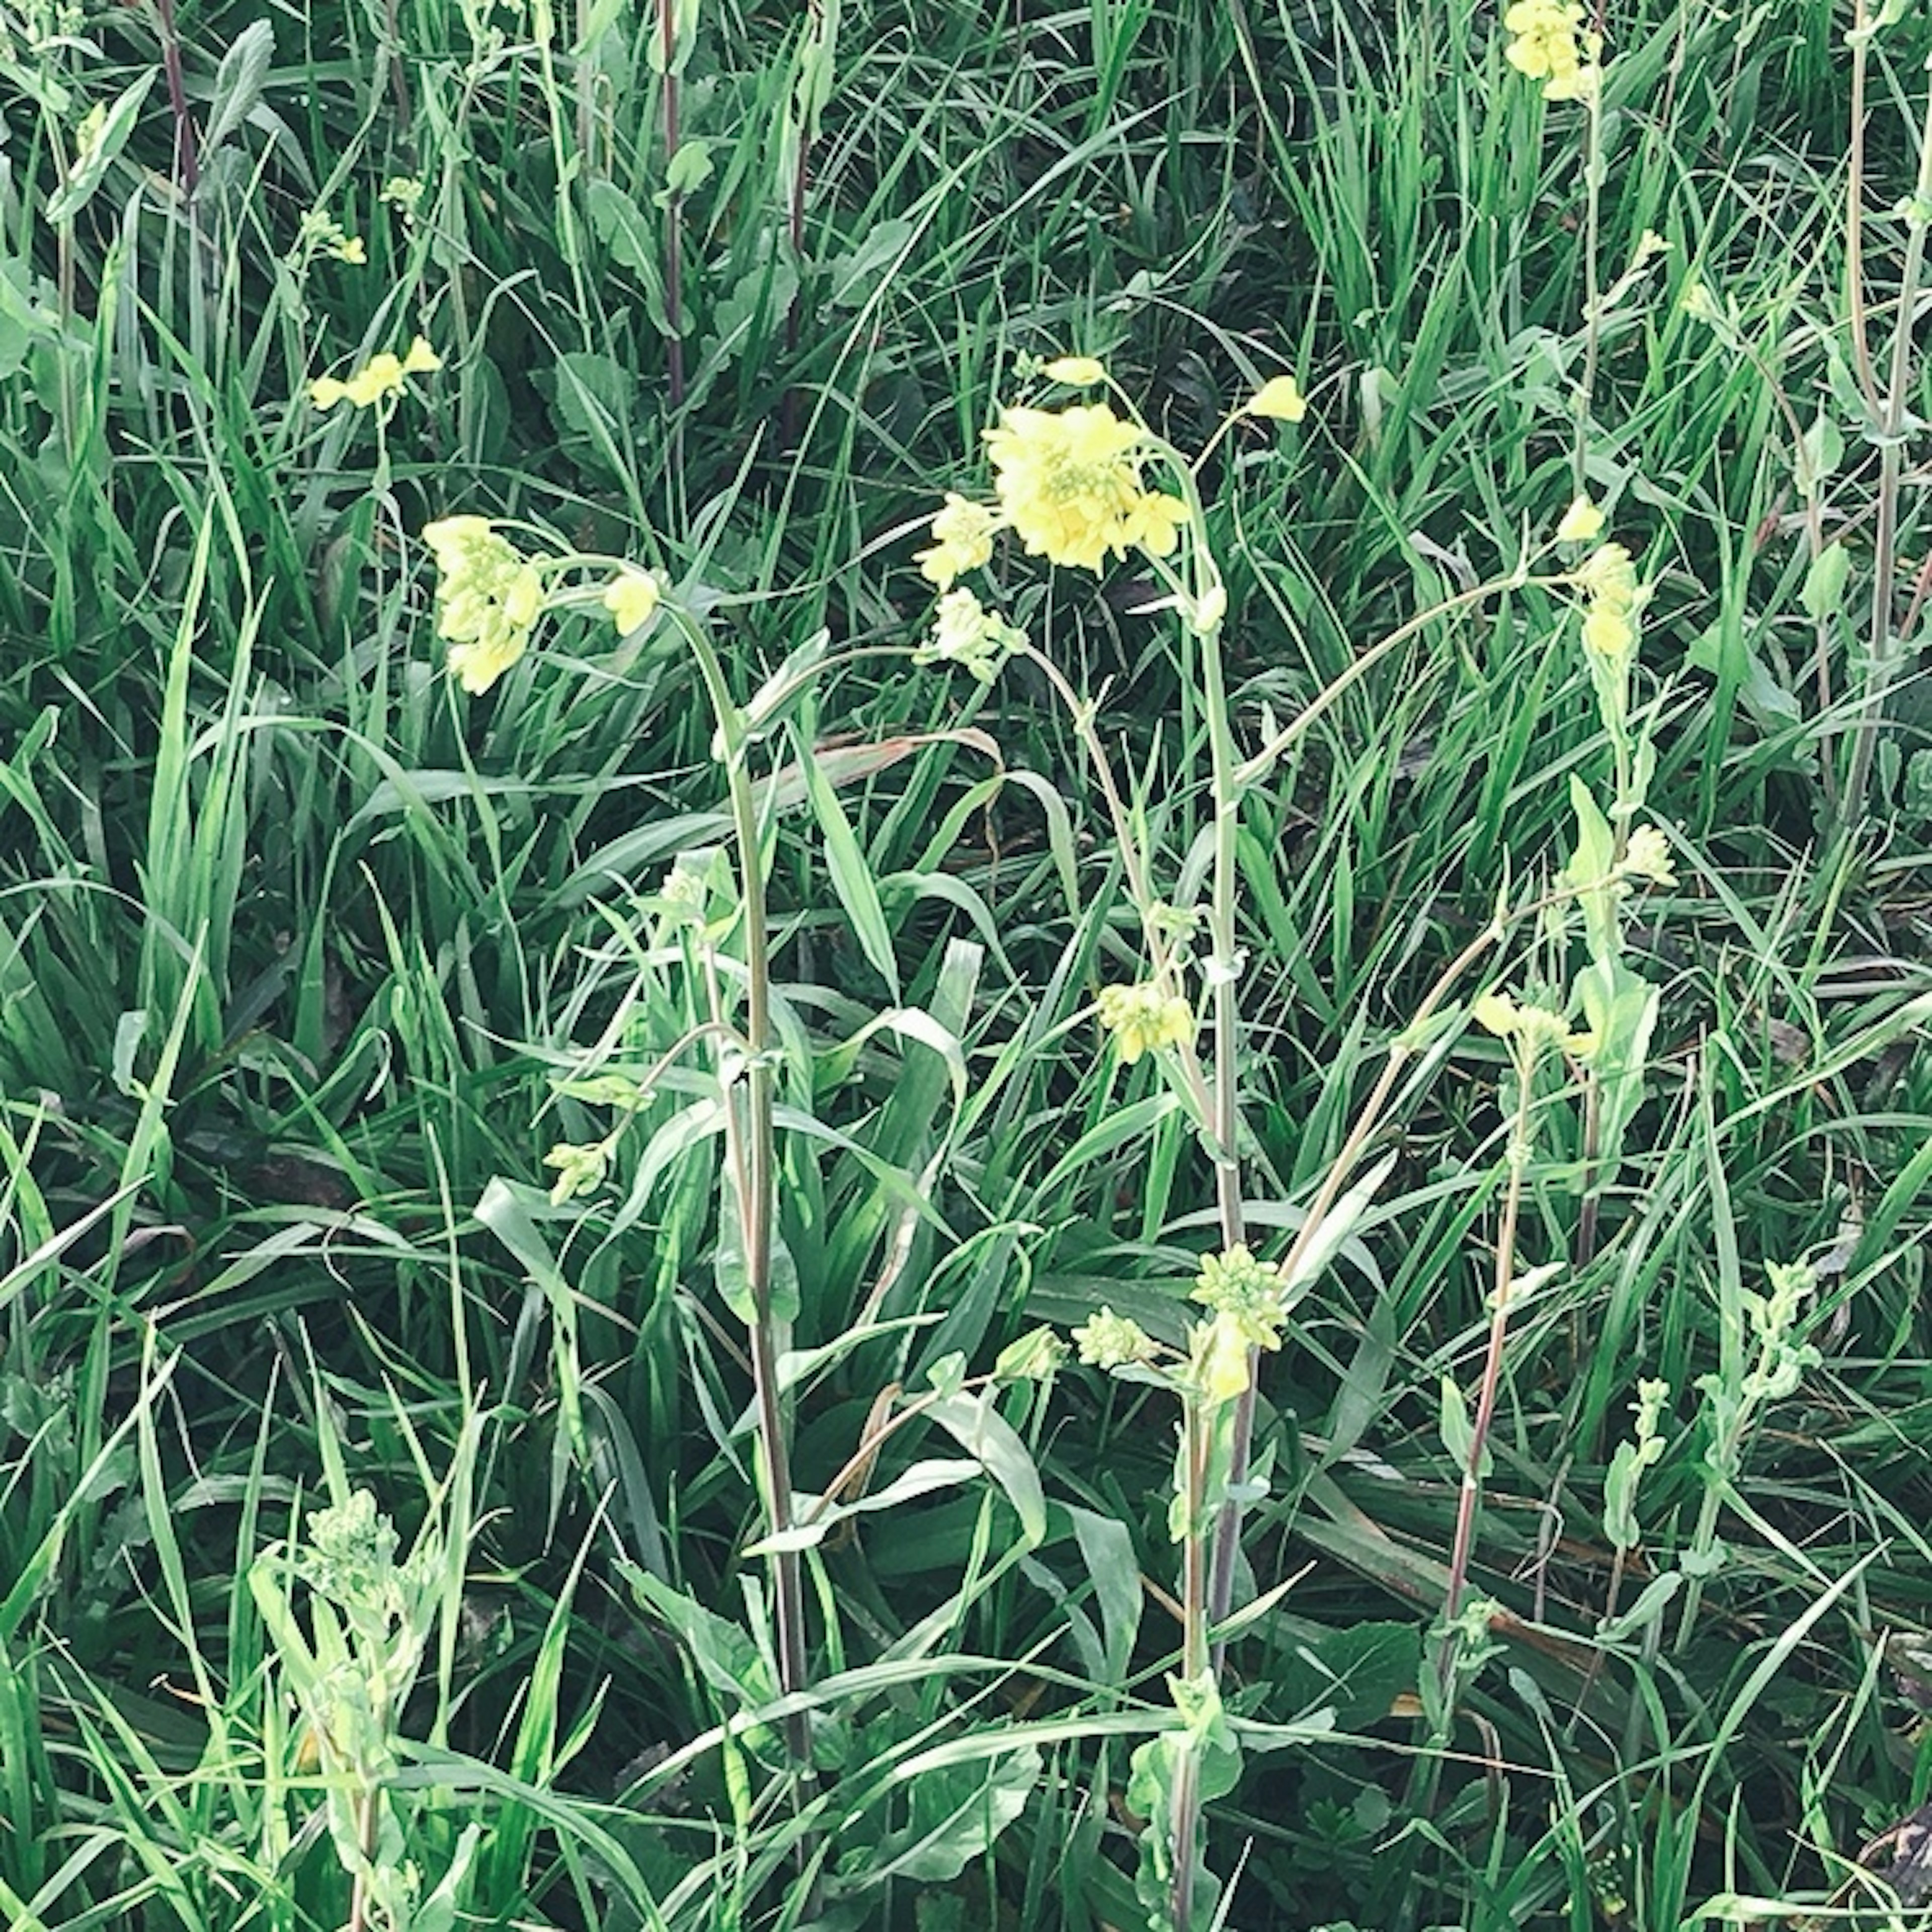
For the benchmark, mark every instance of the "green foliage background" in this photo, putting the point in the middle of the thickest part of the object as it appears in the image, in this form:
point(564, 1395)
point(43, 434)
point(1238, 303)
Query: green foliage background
point(300, 951)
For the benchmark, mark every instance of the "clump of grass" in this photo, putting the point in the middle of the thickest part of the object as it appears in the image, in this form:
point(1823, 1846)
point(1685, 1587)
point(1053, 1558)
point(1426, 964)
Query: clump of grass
point(613, 1134)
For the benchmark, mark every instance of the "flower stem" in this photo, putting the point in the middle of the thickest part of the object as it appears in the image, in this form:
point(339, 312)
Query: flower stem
point(1492, 1368)
point(1883, 651)
point(756, 1192)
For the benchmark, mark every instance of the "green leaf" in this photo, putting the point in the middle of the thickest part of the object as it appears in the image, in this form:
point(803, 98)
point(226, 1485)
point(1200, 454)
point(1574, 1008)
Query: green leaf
point(690, 168)
point(734, 1279)
point(851, 879)
point(623, 228)
point(1107, 1549)
point(238, 82)
point(1823, 593)
point(986, 1435)
point(87, 174)
point(1459, 1435)
point(957, 1812)
point(856, 276)
point(1620, 1010)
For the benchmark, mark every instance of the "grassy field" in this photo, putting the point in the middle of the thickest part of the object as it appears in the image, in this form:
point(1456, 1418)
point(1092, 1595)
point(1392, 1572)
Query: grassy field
point(1199, 1202)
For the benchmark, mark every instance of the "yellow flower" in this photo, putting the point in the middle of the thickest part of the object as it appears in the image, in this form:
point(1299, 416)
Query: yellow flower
point(381, 376)
point(963, 534)
point(1647, 856)
point(1218, 1360)
point(1280, 399)
point(1608, 633)
point(1082, 372)
point(1546, 47)
point(1498, 1014)
point(1143, 1019)
point(1110, 1341)
point(1069, 482)
point(350, 249)
point(1581, 522)
point(964, 632)
point(631, 598)
point(1610, 626)
point(491, 596)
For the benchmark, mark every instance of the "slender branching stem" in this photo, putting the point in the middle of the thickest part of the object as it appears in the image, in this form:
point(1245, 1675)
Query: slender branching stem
point(1196, 1425)
point(1467, 1502)
point(757, 1193)
point(673, 241)
point(1883, 650)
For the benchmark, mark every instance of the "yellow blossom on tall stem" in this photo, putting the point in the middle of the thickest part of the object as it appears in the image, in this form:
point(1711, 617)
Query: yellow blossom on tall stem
point(491, 597)
point(1069, 482)
point(381, 376)
point(962, 540)
point(1547, 46)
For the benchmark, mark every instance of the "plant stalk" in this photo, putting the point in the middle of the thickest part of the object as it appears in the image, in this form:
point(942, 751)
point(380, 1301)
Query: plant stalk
point(1884, 649)
point(757, 1199)
point(1493, 1366)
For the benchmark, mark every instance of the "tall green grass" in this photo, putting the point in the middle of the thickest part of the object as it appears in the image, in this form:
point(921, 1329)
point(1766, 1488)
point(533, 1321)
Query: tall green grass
point(306, 962)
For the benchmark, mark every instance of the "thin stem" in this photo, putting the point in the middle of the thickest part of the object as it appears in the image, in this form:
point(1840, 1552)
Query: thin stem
point(187, 163)
point(1195, 1660)
point(1855, 217)
point(1493, 1364)
point(1593, 320)
point(673, 212)
point(1883, 651)
point(757, 1197)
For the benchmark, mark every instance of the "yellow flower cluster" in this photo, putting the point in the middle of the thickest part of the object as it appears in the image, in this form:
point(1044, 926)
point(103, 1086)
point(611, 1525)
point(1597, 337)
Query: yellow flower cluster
point(1609, 626)
point(632, 598)
point(966, 633)
point(1143, 1019)
point(1536, 1026)
point(1111, 1341)
point(1250, 1294)
point(491, 595)
point(1069, 481)
point(1547, 46)
point(962, 540)
point(1647, 856)
point(381, 376)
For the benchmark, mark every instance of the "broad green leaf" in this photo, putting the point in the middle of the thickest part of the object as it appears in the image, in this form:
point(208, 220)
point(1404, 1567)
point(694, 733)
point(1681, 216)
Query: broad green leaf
point(1107, 1549)
point(978, 1429)
point(86, 175)
point(851, 879)
point(239, 82)
point(957, 1812)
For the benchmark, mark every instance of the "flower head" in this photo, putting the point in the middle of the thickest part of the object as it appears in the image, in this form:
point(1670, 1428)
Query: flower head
point(964, 632)
point(630, 597)
point(1081, 372)
point(1280, 399)
point(1581, 522)
point(1547, 46)
point(962, 540)
point(1111, 1341)
point(1250, 1294)
point(1217, 1359)
point(379, 377)
point(1535, 1026)
point(1647, 856)
point(1143, 1019)
point(491, 596)
point(1069, 482)
point(1609, 626)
